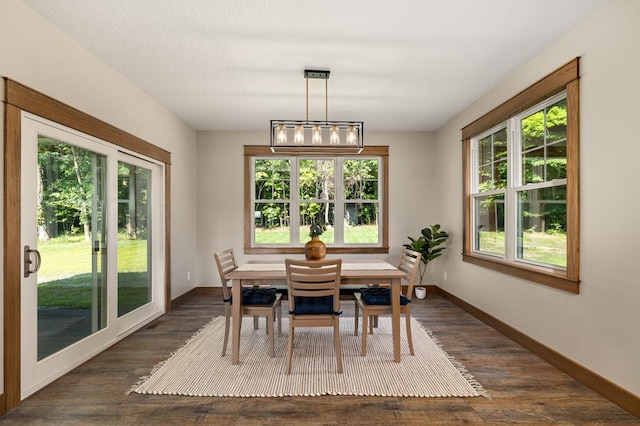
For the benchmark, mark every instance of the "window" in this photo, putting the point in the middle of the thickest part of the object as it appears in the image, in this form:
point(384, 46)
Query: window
point(286, 193)
point(521, 192)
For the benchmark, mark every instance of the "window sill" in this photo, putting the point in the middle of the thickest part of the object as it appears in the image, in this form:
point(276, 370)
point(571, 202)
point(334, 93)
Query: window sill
point(550, 279)
point(330, 250)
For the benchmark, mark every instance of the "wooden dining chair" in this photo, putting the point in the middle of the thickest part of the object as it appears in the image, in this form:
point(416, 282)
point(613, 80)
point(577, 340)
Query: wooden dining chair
point(374, 301)
point(314, 300)
point(256, 301)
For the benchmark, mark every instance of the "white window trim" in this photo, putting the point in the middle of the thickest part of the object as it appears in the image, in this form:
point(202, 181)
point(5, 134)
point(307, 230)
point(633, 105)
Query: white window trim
point(339, 202)
point(514, 180)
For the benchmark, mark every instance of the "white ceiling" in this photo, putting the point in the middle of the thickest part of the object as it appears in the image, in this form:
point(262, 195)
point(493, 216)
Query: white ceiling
point(236, 64)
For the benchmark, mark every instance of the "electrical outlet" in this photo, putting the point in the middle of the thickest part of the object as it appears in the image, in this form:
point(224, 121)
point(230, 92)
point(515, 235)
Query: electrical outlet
point(445, 275)
point(189, 276)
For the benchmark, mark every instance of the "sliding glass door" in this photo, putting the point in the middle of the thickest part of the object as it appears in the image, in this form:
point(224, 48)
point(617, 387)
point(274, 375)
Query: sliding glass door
point(88, 244)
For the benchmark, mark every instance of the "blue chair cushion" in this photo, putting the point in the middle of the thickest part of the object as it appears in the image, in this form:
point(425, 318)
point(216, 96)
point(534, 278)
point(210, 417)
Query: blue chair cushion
point(380, 296)
point(256, 296)
point(314, 306)
point(348, 290)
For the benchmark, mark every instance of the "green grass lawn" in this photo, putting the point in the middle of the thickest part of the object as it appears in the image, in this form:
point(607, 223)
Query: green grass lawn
point(64, 257)
point(67, 256)
point(65, 279)
point(540, 247)
point(76, 292)
point(363, 234)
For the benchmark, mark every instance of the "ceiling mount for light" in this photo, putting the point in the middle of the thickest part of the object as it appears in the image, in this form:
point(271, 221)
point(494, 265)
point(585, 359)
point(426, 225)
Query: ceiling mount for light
point(297, 136)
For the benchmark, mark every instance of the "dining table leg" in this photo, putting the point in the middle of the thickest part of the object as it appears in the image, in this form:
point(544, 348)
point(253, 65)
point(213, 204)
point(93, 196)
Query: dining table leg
point(236, 317)
point(396, 289)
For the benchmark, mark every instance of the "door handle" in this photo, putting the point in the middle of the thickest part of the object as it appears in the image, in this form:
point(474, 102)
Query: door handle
point(28, 262)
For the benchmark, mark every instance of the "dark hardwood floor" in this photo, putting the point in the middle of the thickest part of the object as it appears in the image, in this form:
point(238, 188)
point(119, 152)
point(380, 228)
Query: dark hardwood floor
point(523, 388)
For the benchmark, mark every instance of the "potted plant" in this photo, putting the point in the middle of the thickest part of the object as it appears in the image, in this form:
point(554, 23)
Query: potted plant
point(427, 244)
point(315, 249)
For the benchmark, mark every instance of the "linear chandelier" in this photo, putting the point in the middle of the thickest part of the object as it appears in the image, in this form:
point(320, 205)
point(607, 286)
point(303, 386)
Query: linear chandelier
point(297, 136)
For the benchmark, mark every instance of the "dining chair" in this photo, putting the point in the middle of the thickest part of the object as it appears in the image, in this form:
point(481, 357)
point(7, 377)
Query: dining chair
point(314, 299)
point(256, 301)
point(374, 301)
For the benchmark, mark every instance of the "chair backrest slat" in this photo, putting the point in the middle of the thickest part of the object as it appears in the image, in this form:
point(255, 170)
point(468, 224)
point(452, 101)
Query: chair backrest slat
point(410, 265)
point(226, 262)
point(314, 279)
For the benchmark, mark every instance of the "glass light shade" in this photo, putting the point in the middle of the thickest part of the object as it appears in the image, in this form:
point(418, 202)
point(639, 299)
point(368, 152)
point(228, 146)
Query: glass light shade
point(334, 138)
point(316, 135)
point(352, 137)
point(282, 134)
point(298, 136)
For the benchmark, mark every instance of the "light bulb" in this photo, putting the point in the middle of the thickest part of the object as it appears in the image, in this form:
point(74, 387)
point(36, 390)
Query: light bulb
point(351, 136)
point(298, 135)
point(282, 134)
point(316, 135)
point(335, 136)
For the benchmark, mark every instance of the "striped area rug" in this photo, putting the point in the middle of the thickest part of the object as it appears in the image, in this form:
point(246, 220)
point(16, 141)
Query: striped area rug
point(197, 369)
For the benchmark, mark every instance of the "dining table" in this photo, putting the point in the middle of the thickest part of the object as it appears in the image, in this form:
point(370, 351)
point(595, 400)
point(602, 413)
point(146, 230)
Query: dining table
point(272, 272)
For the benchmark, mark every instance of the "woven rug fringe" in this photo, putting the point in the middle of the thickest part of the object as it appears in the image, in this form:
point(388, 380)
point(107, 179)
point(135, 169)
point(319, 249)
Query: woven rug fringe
point(461, 368)
point(197, 369)
point(159, 365)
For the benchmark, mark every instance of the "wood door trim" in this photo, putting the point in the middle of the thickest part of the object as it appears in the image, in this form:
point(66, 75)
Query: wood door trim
point(44, 106)
point(18, 98)
point(12, 253)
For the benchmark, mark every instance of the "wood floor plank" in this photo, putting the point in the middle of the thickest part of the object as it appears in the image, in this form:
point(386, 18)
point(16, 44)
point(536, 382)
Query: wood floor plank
point(523, 388)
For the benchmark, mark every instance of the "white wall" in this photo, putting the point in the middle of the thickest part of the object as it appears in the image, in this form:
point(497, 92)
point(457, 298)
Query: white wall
point(599, 327)
point(37, 54)
point(221, 192)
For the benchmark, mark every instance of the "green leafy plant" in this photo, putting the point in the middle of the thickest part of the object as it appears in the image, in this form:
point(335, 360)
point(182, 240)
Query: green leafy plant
point(317, 228)
point(427, 244)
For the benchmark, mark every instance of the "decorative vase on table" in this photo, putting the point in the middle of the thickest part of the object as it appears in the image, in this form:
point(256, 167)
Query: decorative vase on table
point(315, 249)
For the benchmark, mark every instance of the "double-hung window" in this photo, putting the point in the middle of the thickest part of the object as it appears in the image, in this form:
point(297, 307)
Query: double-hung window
point(521, 193)
point(287, 193)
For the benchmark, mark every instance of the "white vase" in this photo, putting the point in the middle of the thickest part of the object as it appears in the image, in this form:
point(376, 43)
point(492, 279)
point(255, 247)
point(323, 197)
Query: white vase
point(421, 292)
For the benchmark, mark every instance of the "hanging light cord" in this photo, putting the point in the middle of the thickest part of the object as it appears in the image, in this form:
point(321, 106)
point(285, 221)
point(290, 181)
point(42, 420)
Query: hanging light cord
point(326, 98)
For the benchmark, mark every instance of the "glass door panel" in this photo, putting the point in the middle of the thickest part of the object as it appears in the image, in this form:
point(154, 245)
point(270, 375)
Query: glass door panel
point(86, 236)
point(65, 298)
point(134, 237)
point(71, 283)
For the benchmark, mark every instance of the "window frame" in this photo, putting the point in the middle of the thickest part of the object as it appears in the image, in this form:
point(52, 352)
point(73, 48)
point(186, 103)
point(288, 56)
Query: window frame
point(252, 151)
point(565, 78)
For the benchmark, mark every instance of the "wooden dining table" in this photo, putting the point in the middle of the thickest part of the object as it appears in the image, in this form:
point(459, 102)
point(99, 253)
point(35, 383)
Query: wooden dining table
point(362, 272)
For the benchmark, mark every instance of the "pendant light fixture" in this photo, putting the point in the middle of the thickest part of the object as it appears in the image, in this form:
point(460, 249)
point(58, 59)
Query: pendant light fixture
point(296, 136)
